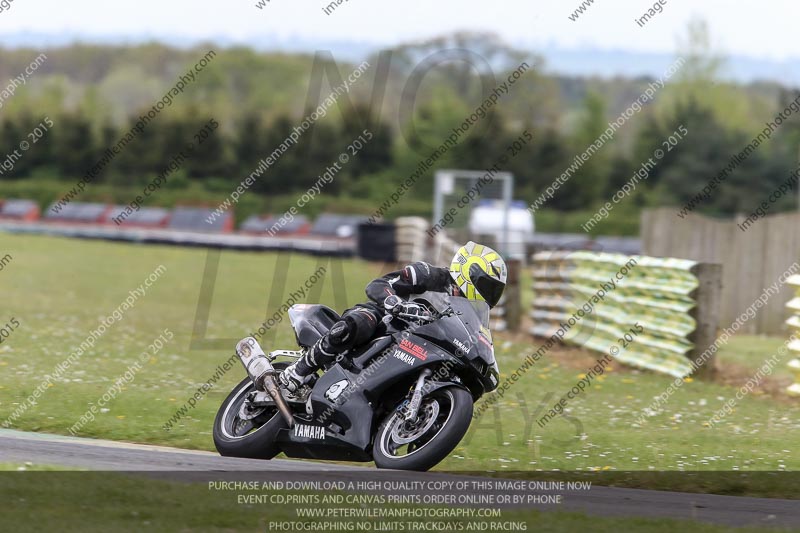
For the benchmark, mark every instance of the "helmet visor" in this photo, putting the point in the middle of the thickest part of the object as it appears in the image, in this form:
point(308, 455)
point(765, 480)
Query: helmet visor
point(489, 288)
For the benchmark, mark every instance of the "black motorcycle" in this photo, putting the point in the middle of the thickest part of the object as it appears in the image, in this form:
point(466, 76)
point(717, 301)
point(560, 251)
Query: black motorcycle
point(404, 400)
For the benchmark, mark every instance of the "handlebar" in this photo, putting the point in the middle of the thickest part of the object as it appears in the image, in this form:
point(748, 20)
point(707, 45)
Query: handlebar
point(396, 307)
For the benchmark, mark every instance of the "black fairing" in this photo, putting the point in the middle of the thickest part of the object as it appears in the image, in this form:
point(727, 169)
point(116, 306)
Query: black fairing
point(464, 335)
point(381, 375)
point(311, 322)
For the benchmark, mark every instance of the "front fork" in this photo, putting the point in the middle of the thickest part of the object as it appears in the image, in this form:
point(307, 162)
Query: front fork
point(258, 367)
point(416, 397)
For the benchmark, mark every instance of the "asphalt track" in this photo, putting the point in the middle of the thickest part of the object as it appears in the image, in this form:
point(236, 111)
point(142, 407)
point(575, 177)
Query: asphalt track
point(188, 465)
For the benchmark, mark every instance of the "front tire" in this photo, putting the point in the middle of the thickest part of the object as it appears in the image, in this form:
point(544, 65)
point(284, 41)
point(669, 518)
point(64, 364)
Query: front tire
point(443, 420)
point(252, 438)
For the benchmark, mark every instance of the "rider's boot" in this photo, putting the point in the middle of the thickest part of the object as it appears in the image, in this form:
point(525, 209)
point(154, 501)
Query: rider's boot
point(356, 327)
point(298, 373)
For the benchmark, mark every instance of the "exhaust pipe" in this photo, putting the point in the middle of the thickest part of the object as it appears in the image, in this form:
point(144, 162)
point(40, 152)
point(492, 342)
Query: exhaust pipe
point(255, 361)
point(262, 373)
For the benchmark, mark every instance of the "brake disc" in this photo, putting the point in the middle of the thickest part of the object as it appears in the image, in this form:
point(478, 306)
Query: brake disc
point(249, 412)
point(405, 432)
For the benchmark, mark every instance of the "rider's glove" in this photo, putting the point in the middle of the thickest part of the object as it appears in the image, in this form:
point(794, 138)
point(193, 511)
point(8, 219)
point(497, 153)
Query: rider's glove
point(392, 304)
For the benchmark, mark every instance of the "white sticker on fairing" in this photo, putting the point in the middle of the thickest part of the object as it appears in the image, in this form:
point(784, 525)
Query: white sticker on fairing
point(336, 390)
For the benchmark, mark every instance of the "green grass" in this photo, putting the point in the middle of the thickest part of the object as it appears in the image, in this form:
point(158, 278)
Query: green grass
point(58, 289)
point(601, 432)
point(750, 352)
point(30, 467)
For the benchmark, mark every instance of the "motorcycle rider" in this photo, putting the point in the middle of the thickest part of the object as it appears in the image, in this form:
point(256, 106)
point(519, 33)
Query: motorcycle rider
point(477, 272)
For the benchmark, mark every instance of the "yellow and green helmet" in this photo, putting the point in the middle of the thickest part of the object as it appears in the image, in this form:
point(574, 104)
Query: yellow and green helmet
point(479, 272)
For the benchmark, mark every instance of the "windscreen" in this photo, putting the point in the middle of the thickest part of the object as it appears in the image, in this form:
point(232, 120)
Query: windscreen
point(438, 300)
point(482, 310)
point(441, 302)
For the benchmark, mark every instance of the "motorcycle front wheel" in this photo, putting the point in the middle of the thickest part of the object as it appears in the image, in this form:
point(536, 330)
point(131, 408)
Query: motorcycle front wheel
point(442, 421)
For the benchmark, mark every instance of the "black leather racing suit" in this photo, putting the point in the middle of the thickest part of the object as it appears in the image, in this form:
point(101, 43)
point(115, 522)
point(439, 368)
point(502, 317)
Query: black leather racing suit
point(359, 324)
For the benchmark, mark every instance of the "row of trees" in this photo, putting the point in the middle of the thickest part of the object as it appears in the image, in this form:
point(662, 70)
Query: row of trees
point(72, 147)
point(222, 156)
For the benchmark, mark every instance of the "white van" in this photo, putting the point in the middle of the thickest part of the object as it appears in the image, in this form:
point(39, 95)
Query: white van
point(489, 218)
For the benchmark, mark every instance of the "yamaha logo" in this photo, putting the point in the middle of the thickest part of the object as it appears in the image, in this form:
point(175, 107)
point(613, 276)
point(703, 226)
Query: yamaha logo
point(464, 348)
point(309, 432)
point(404, 357)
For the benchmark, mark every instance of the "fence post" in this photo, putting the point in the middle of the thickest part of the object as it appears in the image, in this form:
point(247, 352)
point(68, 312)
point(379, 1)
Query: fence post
point(513, 292)
point(706, 313)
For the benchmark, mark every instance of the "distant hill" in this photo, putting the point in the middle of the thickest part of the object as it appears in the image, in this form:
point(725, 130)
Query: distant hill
point(593, 61)
point(567, 61)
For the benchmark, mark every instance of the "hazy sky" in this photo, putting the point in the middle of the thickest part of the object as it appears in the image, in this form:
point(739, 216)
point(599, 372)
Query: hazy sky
point(766, 28)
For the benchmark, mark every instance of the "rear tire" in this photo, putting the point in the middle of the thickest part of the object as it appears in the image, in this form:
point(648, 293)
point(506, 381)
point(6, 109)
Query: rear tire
point(258, 443)
point(450, 422)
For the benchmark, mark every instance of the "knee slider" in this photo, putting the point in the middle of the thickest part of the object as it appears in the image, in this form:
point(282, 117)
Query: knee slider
point(340, 332)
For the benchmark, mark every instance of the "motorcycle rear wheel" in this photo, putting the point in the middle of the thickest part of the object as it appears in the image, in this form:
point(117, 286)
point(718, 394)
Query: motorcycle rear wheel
point(252, 438)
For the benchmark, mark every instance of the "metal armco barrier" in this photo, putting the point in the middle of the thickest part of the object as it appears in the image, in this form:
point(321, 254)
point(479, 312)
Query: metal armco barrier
point(675, 302)
point(794, 323)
